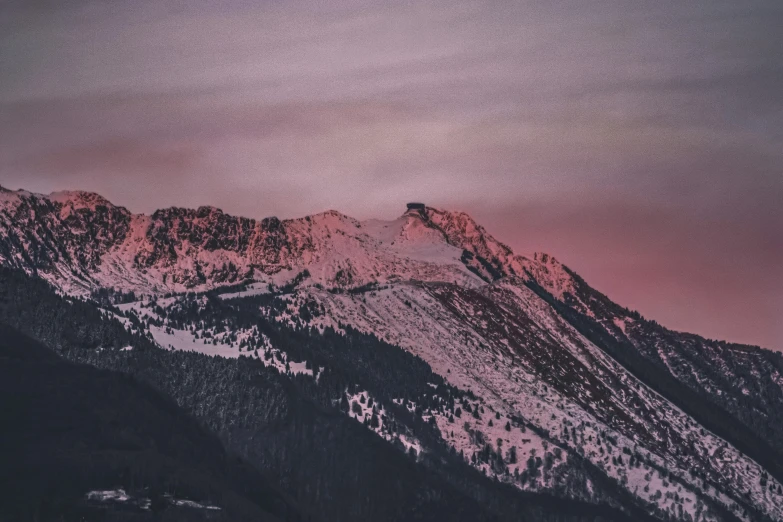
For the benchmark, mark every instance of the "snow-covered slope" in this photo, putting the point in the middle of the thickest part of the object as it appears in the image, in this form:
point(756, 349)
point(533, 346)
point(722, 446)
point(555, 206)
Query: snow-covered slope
point(510, 348)
point(557, 371)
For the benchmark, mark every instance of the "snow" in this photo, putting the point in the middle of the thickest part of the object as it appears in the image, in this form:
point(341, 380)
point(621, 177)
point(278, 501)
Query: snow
point(116, 495)
point(192, 504)
point(361, 400)
point(620, 323)
point(183, 340)
point(459, 434)
point(196, 341)
point(120, 495)
point(250, 290)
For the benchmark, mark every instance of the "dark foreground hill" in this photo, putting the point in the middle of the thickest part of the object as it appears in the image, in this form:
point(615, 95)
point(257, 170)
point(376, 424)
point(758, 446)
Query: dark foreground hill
point(70, 429)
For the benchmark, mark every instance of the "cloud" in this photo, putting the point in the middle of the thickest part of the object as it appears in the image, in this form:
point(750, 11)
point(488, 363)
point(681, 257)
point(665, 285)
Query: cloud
point(117, 156)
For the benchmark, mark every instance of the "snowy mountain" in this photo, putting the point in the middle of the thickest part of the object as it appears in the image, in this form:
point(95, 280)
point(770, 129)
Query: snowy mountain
point(80, 240)
point(538, 381)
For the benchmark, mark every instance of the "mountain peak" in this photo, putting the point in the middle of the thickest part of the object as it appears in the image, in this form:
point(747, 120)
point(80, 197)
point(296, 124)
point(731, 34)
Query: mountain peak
point(80, 199)
point(416, 209)
point(330, 214)
point(8, 195)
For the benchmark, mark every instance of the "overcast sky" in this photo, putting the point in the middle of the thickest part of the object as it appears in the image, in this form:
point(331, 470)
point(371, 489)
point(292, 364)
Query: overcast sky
point(639, 142)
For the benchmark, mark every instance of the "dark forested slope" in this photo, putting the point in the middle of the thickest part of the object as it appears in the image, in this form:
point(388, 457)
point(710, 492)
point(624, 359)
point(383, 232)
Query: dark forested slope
point(69, 429)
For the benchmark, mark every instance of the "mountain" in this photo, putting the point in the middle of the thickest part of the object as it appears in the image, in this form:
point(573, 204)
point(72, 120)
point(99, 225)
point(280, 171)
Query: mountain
point(509, 378)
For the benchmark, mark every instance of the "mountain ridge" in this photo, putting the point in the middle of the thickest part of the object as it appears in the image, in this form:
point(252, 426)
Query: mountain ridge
point(158, 239)
point(458, 228)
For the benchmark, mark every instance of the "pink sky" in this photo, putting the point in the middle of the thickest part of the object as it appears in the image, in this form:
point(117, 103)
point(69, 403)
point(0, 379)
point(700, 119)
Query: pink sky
point(640, 143)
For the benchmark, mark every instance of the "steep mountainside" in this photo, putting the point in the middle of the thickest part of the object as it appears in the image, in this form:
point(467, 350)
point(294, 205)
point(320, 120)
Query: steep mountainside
point(745, 380)
point(533, 379)
point(291, 428)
